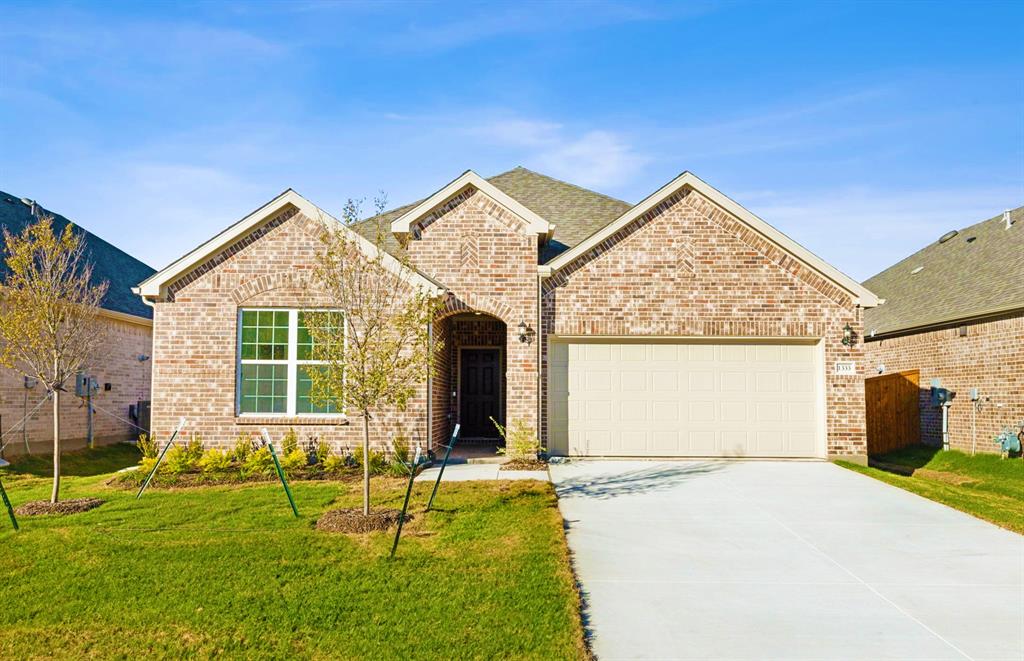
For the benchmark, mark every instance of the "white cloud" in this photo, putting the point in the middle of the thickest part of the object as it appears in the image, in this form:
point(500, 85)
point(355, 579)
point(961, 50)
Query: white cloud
point(591, 158)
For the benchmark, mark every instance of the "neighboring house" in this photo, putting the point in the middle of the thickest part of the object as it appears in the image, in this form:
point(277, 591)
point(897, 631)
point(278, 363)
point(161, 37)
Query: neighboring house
point(954, 311)
point(679, 326)
point(122, 373)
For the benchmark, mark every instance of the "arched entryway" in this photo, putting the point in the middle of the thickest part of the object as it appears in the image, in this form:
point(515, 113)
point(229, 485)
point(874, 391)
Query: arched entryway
point(471, 385)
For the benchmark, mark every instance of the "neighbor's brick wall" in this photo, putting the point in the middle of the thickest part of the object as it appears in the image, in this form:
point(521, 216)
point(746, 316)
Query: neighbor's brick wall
point(195, 341)
point(488, 260)
point(687, 268)
point(990, 358)
point(118, 365)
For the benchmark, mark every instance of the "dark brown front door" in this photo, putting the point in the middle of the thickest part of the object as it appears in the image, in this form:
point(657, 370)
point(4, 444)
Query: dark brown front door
point(480, 393)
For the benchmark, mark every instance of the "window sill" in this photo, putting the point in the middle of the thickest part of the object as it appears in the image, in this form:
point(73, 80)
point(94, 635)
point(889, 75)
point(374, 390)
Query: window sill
point(294, 420)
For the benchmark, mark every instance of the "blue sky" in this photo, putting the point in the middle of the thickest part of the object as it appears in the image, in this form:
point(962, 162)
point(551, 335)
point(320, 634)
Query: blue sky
point(862, 130)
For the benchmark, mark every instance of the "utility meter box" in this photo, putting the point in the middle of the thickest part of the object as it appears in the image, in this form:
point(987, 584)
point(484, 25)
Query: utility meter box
point(940, 396)
point(83, 383)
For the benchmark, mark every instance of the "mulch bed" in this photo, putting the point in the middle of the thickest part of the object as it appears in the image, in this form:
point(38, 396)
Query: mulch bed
point(524, 465)
point(352, 520)
point(60, 508)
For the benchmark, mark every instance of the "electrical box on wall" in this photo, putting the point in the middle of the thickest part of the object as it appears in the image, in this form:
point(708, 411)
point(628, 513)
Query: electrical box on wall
point(83, 384)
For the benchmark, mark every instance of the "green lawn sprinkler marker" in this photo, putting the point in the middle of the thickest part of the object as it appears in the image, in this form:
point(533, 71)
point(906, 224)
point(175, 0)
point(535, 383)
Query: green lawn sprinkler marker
point(7, 501)
point(181, 425)
point(280, 471)
point(447, 453)
point(405, 506)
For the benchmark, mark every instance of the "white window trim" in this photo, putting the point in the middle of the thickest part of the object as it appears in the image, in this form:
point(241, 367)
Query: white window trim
point(292, 362)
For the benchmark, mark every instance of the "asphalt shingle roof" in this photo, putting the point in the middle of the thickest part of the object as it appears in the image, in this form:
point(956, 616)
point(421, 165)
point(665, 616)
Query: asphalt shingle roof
point(575, 212)
point(110, 264)
point(979, 271)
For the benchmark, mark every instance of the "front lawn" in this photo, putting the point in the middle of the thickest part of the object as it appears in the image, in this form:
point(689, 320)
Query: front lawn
point(984, 485)
point(228, 570)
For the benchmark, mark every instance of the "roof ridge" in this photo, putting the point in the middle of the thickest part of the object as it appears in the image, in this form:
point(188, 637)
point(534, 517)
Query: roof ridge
point(563, 182)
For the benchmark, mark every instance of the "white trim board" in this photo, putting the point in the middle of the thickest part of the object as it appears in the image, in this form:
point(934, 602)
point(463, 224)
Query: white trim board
point(863, 297)
point(535, 224)
point(155, 286)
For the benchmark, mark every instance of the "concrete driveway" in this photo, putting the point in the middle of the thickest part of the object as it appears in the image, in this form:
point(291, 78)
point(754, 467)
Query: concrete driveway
point(784, 560)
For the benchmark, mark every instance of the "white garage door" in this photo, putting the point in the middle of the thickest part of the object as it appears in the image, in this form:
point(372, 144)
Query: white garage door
point(699, 399)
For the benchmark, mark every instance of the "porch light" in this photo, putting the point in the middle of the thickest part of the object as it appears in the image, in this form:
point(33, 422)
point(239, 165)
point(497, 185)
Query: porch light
point(525, 333)
point(848, 335)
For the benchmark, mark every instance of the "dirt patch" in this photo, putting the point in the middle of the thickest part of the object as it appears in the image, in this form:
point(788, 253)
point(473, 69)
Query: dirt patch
point(352, 520)
point(61, 508)
point(942, 476)
point(524, 465)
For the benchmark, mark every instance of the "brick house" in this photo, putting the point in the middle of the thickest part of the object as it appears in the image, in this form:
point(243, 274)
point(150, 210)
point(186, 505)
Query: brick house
point(122, 373)
point(680, 326)
point(954, 311)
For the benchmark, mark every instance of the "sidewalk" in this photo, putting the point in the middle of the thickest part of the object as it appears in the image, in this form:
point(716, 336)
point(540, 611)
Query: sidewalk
point(464, 472)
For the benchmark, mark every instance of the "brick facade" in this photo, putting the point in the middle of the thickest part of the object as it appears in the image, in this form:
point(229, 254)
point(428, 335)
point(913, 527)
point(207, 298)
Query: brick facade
point(988, 356)
point(195, 342)
point(687, 268)
point(129, 380)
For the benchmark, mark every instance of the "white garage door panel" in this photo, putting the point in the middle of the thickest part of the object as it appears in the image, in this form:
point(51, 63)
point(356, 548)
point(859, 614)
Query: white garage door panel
point(632, 398)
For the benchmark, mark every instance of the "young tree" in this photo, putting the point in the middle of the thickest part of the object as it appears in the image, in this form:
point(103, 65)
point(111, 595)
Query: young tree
point(373, 337)
point(49, 326)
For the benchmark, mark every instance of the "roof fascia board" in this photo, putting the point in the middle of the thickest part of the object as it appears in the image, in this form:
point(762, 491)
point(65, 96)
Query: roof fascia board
point(995, 313)
point(155, 285)
point(126, 317)
point(535, 224)
point(863, 296)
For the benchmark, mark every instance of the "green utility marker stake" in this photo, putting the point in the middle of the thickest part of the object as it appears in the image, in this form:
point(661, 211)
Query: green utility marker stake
point(7, 501)
point(447, 453)
point(181, 425)
point(280, 471)
point(405, 505)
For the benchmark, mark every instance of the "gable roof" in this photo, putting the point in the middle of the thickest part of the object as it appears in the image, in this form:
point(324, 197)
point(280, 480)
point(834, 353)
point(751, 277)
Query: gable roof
point(535, 224)
point(978, 272)
point(575, 212)
point(155, 285)
point(110, 264)
point(861, 294)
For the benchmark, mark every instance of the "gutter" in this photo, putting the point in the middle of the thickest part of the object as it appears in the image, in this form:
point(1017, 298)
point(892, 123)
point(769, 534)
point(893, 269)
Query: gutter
point(943, 324)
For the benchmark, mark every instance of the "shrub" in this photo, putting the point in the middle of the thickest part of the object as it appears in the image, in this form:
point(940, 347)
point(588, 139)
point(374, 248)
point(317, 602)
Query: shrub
point(400, 449)
point(378, 461)
point(259, 462)
point(290, 442)
point(243, 448)
point(194, 448)
point(179, 460)
point(147, 446)
point(335, 464)
point(215, 461)
point(520, 439)
point(294, 460)
point(320, 452)
point(146, 466)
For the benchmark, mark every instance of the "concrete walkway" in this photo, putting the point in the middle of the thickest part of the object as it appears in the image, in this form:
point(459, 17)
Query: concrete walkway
point(784, 560)
point(463, 472)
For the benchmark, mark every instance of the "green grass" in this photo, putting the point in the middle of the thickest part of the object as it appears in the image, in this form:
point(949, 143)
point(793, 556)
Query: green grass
point(228, 570)
point(985, 486)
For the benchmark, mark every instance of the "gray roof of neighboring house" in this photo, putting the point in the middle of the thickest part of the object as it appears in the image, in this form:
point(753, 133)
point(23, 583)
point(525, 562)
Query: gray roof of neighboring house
point(575, 212)
point(978, 272)
point(110, 264)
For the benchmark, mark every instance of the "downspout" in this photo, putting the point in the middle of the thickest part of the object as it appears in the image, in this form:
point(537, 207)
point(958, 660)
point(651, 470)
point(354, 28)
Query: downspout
point(540, 351)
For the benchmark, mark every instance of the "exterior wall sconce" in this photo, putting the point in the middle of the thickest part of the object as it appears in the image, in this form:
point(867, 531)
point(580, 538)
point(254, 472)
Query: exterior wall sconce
point(848, 335)
point(526, 334)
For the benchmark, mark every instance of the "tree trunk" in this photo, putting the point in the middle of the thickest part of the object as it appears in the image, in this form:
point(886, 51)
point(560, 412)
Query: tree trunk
point(366, 463)
point(56, 446)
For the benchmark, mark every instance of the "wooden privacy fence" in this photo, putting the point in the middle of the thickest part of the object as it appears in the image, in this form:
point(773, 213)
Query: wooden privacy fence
point(893, 411)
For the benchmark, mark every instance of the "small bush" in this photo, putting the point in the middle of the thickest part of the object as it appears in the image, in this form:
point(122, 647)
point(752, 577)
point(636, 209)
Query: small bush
point(215, 461)
point(194, 448)
point(290, 442)
point(320, 452)
point(520, 440)
point(378, 461)
point(295, 460)
point(400, 449)
point(243, 448)
point(147, 446)
point(335, 464)
point(179, 460)
point(146, 466)
point(259, 462)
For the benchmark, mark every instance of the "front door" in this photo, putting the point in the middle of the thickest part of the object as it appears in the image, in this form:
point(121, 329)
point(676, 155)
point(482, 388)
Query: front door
point(480, 392)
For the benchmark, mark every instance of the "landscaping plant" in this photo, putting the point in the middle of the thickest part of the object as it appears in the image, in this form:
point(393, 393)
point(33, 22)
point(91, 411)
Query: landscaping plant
point(49, 325)
point(376, 353)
